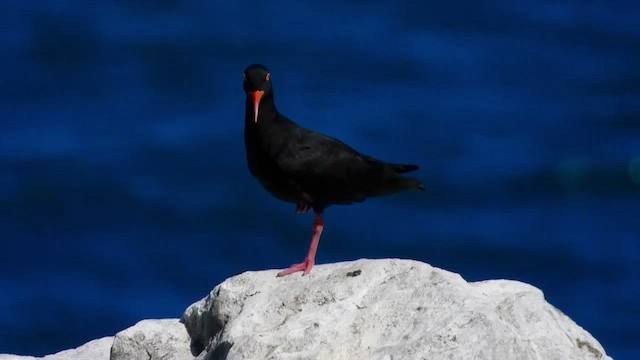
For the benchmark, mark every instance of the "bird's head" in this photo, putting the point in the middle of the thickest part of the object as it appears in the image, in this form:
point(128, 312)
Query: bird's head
point(257, 84)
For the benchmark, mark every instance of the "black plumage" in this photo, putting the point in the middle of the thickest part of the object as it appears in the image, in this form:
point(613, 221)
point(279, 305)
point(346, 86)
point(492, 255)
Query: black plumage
point(305, 167)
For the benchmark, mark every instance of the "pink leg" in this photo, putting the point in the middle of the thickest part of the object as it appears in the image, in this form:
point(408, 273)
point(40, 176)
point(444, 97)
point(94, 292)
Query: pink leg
point(308, 262)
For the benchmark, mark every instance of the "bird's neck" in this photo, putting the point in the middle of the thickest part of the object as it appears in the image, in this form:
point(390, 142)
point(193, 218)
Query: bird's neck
point(267, 113)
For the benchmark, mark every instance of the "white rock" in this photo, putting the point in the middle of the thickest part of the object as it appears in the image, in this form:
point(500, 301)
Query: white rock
point(152, 339)
point(381, 309)
point(93, 350)
point(366, 309)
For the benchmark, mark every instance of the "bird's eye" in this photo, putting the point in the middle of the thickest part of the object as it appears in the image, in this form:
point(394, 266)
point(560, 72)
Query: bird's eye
point(244, 77)
point(266, 78)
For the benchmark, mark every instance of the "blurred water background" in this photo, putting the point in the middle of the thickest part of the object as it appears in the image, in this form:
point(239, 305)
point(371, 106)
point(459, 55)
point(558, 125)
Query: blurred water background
point(124, 192)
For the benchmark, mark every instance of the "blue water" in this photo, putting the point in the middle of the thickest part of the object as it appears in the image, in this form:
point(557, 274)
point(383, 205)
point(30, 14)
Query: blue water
point(124, 192)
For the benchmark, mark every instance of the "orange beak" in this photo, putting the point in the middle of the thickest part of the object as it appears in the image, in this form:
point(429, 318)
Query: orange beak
point(257, 95)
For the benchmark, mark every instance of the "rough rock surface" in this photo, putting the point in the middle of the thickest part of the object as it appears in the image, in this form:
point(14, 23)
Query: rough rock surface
point(381, 309)
point(93, 350)
point(152, 339)
point(365, 309)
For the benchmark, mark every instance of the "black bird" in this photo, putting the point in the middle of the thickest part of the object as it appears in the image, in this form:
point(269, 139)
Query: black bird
point(307, 168)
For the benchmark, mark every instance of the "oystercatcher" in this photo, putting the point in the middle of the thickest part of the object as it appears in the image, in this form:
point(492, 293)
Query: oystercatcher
point(307, 168)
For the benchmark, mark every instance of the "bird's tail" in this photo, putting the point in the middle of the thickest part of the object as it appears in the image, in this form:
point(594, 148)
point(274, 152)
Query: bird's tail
point(405, 183)
point(403, 168)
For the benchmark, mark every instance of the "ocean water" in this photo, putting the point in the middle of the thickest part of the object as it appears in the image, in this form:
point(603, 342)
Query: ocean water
point(124, 192)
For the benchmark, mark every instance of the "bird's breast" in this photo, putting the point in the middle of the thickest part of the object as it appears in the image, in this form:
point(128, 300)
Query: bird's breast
point(264, 167)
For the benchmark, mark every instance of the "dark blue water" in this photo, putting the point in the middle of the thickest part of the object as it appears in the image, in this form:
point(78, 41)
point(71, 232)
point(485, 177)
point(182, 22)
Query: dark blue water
point(124, 192)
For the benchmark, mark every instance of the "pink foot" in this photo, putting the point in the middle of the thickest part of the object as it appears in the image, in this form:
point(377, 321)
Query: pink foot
point(306, 265)
point(308, 262)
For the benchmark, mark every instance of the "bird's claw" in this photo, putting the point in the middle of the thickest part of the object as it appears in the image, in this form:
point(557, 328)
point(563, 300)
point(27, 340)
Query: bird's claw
point(305, 266)
point(303, 208)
